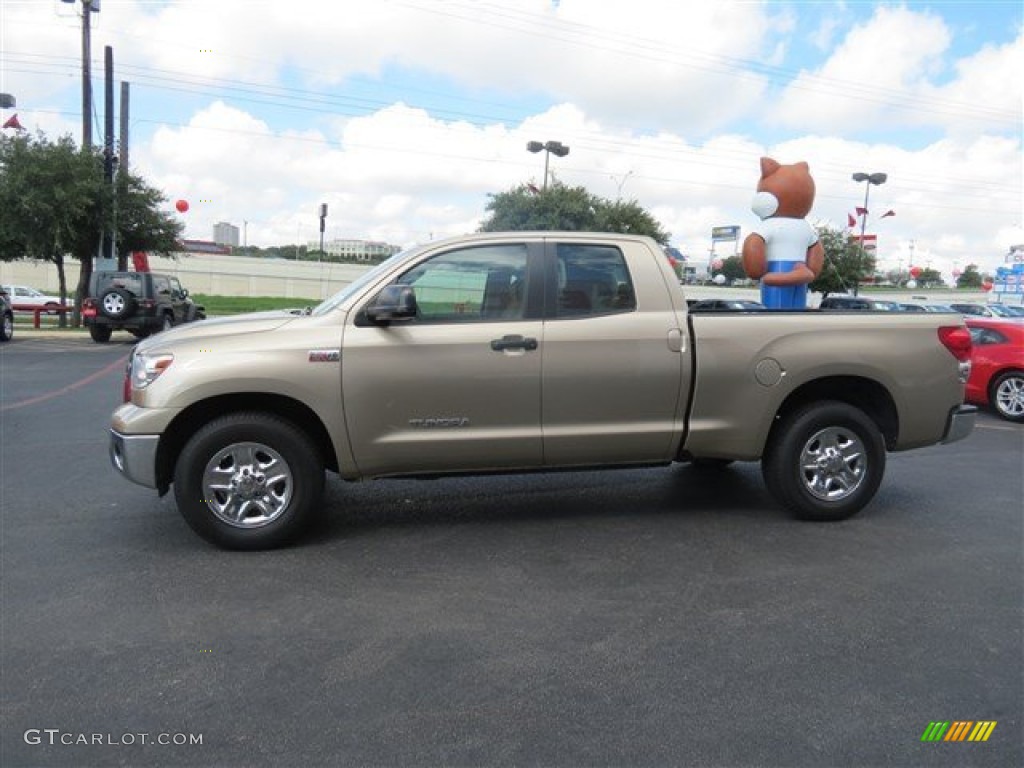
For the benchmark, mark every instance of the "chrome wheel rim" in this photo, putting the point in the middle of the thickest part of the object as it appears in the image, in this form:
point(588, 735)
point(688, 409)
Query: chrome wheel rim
point(833, 464)
point(113, 303)
point(1010, 396)
point(247, 485)
point(8, 327)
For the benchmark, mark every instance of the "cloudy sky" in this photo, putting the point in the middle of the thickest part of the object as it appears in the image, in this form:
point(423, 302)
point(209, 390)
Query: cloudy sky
point(404, 115)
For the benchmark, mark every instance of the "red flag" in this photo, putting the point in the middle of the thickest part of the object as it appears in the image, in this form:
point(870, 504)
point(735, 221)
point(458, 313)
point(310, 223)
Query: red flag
point(12, 122)
point(890, 212)
point(862, 211)
point(850, 221)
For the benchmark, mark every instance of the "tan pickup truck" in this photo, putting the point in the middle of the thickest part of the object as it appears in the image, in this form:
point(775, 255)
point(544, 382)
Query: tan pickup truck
point(527, 351)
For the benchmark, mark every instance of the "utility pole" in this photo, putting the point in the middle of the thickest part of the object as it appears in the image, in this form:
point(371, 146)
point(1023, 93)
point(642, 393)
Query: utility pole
point(122, 148)
point(89, 7)
point(108, 151)
point(86, 74)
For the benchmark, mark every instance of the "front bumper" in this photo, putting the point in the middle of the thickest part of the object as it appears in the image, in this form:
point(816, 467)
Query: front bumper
point(134, 456)
point(960, 423)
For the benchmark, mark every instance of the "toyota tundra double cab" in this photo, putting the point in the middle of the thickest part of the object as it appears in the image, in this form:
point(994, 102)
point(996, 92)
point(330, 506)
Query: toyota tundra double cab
point(520, 351)
point(141, 303)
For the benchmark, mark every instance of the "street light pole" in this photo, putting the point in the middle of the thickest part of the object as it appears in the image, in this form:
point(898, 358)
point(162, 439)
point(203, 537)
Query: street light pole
point(557, 147)
point(323, 222)
point(870, 178)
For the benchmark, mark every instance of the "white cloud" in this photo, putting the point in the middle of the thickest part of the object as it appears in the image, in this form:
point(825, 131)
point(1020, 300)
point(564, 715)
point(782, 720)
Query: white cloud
point(658, 100)
point(988, 88)
point(869, 75)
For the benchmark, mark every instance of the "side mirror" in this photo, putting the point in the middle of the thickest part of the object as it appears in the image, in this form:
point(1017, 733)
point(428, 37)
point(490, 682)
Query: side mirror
point(395, 302)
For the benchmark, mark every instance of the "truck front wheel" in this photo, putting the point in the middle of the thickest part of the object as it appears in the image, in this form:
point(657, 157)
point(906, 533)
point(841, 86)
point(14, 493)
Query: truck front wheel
point(249, 481)
point(825, 461)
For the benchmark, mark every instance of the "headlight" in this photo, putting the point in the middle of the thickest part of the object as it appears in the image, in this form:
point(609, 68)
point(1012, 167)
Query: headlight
point(147, 368)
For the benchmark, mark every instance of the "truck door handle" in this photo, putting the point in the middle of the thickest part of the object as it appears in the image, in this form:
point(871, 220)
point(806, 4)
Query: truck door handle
point(513, 342)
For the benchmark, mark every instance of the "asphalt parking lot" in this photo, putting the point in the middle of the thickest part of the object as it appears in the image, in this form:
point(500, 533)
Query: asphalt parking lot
point(648, 617)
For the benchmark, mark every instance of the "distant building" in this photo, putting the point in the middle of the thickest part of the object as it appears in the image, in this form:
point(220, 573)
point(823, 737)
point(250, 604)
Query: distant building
point(225, 234)
point(355, 250)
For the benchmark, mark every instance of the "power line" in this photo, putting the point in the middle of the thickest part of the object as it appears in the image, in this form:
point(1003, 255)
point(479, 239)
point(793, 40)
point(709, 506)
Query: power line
point(282, 97)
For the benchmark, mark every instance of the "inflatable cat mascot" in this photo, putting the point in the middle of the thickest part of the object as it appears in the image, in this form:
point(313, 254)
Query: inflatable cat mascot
point(783, 252)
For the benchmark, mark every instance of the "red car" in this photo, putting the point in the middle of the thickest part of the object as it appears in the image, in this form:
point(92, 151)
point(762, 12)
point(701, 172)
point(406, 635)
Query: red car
point(997, 365)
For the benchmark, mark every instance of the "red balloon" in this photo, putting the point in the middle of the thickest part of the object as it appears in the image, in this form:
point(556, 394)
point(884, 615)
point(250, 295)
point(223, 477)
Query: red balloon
point(717, 264)
point(181, 205)
point(915, 271)
point(986, 287)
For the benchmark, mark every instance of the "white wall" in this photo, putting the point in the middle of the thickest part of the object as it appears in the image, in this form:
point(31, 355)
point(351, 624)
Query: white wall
point(212, 274)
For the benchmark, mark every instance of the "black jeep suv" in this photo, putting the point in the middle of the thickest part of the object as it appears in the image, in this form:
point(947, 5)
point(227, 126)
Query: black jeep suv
point(139, 302)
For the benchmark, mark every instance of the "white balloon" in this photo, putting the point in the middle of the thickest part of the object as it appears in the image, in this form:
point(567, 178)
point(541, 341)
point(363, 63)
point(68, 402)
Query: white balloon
point(911, 284)
point(719, 279)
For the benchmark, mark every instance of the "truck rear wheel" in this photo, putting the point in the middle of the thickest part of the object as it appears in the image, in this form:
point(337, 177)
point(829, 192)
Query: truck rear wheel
point(825, 461)
point(249, 481)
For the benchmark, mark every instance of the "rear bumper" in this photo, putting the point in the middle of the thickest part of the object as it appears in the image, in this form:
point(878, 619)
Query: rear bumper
point(960, 423)
point(135, 321)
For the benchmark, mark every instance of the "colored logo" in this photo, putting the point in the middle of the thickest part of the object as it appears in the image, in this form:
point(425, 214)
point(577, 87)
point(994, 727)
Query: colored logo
point(958, 730)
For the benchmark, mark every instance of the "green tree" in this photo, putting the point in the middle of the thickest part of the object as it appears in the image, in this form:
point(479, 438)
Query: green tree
point(970, 277)
point(141, 222)
point(54, 202)
point(845, 267)
point(929, 278)
point(732, 268)
point(48, 193)
point(560, 207)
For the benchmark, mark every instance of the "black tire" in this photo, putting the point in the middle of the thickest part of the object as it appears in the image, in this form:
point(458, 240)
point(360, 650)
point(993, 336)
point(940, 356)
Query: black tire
point(116, 303)
point(825, 461)
point(100, 333)
point(139, 333)
point(242, 510)
point(7, 327)
point(1006, 393)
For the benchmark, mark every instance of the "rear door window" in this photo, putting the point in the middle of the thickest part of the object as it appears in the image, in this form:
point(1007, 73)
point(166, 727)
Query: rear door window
point(161, 286)
point(591, 280)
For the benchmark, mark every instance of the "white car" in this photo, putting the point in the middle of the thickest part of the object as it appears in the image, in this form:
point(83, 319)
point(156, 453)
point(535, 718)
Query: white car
point(23, 297)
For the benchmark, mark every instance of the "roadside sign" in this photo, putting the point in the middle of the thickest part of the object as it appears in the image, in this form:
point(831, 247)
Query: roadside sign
point(725, 234)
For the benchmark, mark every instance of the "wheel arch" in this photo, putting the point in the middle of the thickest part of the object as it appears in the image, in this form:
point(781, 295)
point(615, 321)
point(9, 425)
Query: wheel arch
point(994, 379)
point(996, 375)
point(865, 394)
point(191, 419)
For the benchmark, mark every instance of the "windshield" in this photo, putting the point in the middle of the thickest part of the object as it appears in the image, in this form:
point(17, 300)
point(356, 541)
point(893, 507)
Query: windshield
point(335, 301)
